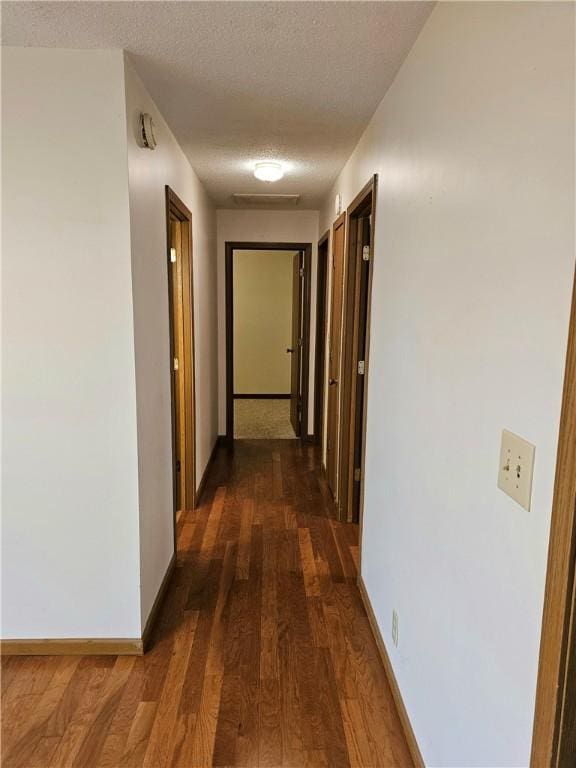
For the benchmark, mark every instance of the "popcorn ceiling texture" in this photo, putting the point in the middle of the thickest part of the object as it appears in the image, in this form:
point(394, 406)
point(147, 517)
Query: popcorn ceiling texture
point(242, 81)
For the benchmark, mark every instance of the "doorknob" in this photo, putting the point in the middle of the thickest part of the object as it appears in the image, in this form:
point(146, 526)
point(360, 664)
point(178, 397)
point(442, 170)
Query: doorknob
point(332, 382)
point(289, 349)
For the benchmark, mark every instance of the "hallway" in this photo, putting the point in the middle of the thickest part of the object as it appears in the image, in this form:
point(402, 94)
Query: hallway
point(262, 654)
point(289, 391)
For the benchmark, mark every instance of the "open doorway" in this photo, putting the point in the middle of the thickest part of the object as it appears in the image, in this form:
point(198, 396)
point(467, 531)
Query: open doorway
point(267, 340)
point(180, 297)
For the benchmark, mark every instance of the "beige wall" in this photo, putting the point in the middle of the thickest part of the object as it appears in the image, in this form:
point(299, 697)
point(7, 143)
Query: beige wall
point(149, 172)
point(262, 321)
point(473, 269)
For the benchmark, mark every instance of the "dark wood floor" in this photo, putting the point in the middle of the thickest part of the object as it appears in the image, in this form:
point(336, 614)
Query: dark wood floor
point(262, 655)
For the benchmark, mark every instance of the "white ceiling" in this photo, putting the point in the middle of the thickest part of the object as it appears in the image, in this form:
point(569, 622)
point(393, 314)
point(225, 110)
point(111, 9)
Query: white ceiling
point(243, 81)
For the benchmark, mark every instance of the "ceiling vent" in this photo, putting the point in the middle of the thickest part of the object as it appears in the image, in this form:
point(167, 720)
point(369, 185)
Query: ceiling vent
point(265, 201)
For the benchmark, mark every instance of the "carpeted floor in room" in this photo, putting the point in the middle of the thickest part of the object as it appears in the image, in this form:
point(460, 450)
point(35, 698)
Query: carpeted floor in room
point(262, 419)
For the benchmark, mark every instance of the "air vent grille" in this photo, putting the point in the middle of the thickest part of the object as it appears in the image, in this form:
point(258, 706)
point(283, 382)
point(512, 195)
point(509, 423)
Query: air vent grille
point(265, 201)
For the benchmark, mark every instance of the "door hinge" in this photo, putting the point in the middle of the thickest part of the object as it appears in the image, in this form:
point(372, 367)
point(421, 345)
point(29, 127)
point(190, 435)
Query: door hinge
point(299, 342)
point(175, 363)
point(357, 475)
point(366, 253)
point(361, 367)
point(173, 255)
point(301, 271)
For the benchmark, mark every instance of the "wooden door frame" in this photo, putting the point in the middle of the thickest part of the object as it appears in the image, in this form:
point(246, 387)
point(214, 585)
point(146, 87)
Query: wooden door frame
point(230, 247)
point(340, 221)
point(177, 209)
point(321, 335)
point(349, 362)
point(558, 621)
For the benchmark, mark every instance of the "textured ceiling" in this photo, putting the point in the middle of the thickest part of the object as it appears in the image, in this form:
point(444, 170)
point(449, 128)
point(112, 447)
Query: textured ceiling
point(243, 81)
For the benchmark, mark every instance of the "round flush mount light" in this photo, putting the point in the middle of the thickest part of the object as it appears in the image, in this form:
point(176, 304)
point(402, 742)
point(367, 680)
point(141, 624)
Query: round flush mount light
point(268, 171)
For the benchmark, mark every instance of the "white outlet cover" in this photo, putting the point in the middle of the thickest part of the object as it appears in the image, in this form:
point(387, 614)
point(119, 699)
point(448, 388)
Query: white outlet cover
point(516, 468)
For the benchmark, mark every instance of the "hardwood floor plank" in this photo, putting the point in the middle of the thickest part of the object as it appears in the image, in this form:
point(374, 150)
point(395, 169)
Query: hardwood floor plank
point(359, 747)
point(262, 654)
point(113, 748)
point(317, 622)
point(194, 680)
point(270, 726)
point(22, 751)
point(247, 743)
point(269, 608)
point(160, 744)
point(243, 564)
point(137, 741)
point(43, 752)
point(109, 699)
point(215, 659)
point(308, 563)
point(73, 737)
point(277, 481)
point(10, 668)
point(228, 721)
point(329, 705)
point(198, 745)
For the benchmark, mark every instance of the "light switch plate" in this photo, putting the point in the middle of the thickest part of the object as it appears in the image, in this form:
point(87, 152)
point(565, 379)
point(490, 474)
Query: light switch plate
point(516, 468)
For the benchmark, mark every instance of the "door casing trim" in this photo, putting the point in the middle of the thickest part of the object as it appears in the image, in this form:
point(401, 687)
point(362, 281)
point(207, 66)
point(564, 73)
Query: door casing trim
point(553, 694)
point(366, 196)
point(322, 266)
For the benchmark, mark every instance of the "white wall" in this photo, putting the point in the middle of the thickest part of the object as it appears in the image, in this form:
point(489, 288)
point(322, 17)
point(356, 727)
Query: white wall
point(473, 268)
point(262, 321)
point(70, 559)
point(262, 227)
point(149, 172)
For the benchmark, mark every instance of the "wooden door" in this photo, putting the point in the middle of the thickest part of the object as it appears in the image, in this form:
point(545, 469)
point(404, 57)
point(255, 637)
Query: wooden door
point(354, 363)
point(296, 345)
point(334, 353)
point(180, 298)
point(178, 414)
point(359, 365)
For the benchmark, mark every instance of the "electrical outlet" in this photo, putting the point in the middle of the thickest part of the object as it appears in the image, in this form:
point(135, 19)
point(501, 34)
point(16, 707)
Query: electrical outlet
point(516, 468)
point(395, 628)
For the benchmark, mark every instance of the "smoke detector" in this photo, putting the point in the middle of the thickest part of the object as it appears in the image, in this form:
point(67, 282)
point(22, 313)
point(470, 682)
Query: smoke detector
point(147, 131)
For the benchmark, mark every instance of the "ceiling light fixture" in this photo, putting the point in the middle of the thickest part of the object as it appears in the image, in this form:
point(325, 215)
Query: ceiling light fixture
point(268, 171)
